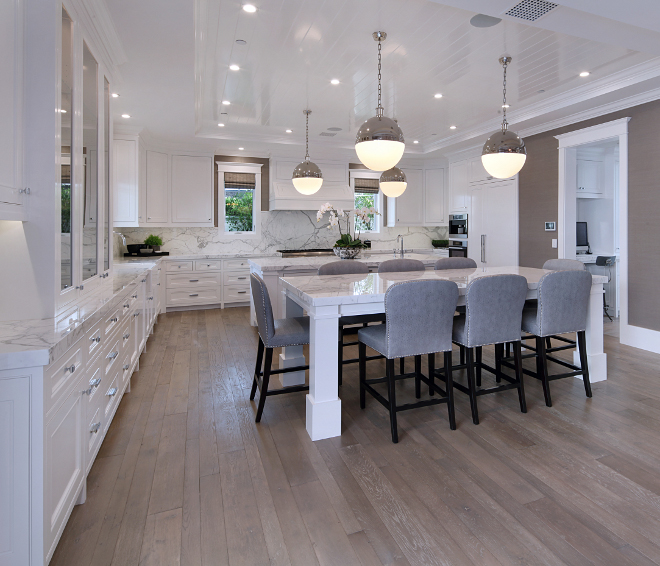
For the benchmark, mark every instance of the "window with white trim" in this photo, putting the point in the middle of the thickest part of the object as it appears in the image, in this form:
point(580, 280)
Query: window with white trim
point(239, 198)
point(367, 195)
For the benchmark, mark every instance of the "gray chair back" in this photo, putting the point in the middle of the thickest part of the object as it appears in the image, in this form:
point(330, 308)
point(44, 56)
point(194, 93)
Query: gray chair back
point(563, 302)
point(393, 265)
point(419, 317)
point(343, 267)
point(455, 263)
point(493, 307)
point(564, 265)
point(263, 309)
point(605, 260)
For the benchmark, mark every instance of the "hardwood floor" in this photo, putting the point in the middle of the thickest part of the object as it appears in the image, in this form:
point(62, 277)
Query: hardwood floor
point(185, 476)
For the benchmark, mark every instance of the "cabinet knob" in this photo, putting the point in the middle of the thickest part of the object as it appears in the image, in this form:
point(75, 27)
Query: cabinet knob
point(136, 314)
point(94, 382)
point(113, 319)
point(71, 368)
point(127, 336)
point(127, 305)
point(112, 392)
point(151, 298)
point(134, 296)
point(112, 355)
point(95, 427)
point(126, 367)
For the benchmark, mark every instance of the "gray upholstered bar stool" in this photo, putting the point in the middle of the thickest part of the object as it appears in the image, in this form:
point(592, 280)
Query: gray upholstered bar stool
point(349, 267)
point(562, 307)
point(494, 306)
point(454, 263)
point(564, 265)
point(273, 334)
point(419, 321)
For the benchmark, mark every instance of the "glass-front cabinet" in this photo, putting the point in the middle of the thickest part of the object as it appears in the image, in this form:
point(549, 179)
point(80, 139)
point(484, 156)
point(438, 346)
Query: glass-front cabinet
point(85, 247)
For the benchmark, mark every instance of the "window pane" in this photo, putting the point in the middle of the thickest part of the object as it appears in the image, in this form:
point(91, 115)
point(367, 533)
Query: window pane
point(90, 158)
point(365, 200)
point(66, 116)
point(239, 199)
point(106, 175)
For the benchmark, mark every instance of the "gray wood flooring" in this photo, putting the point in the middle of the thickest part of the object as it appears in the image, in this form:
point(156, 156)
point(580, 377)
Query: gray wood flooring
point(186, 477)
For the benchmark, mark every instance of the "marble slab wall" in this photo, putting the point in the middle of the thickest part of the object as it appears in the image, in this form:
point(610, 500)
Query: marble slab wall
point(281, 229)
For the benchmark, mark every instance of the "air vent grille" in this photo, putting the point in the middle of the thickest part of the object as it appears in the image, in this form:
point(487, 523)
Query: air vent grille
point(531, 10)
point(327, 134)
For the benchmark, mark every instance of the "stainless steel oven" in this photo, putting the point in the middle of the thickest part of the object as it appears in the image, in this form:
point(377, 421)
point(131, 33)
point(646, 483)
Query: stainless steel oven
point(458, 248)
point(458, 225)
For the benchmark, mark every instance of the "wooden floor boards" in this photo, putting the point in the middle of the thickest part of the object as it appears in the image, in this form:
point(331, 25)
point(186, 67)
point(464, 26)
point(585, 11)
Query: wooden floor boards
point(186, 477)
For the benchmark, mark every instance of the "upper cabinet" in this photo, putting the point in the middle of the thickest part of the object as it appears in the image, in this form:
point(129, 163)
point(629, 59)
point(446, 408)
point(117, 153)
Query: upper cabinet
point(434, 197)
point(589, 178)
point(156, 206)
point(410, 205)
point(459, 197)
point(192, 190)
point(424, 201)
point(12, 193)
point(125, 181)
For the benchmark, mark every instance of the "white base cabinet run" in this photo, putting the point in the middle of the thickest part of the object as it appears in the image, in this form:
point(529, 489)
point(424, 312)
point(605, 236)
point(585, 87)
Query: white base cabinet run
point(53, 420)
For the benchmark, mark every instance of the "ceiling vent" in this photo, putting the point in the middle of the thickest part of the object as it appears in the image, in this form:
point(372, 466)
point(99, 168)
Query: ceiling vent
point(328, 134)
point(531, 10)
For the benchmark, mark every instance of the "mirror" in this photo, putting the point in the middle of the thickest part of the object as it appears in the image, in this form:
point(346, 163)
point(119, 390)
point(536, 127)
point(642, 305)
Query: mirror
point(90, 157)
point(66, 115)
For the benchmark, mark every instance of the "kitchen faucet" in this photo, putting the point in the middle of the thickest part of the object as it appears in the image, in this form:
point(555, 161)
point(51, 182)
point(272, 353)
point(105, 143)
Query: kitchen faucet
point(400, 236)
point(123, 238)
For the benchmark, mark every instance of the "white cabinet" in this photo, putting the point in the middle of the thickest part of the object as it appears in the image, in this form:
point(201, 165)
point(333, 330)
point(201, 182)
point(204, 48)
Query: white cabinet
point(410, 205)
point(125, 182)
point(156, 193)
point(434, 197)
point(589, 178)
point(459, 197)
point(192, 190)
point(11, 110)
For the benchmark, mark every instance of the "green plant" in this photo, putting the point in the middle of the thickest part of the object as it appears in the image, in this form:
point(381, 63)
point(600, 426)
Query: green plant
point(238, 212)
point(439, 243)
point(346, 241)
point(153, 240)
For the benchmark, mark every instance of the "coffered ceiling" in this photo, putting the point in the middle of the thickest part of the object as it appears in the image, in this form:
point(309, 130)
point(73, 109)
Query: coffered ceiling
point(177, 73)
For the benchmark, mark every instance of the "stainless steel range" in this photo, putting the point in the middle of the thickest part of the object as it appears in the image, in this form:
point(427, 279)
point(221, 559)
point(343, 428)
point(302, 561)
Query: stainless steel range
point(307, 253)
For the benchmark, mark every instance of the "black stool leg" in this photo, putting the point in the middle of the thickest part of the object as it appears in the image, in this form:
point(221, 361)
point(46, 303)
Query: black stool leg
point(257, 368)
point(478, 365)
point(499, 352)
point(542, 369)
point(264, 386)
point(340, 355)
point(362, 349)
point(582, 345)
point(391, 382)
point(508, 350)
point(519, 376)
point(431, 373)
point(462, 350)
point(450, 391)
point(469, 355)
point(548, 343)
point(418, 372)
point(402, 365)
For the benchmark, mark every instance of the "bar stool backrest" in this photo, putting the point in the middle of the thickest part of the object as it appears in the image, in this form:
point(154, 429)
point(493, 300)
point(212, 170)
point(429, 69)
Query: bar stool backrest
point(605, 260)
point(564, 265)
point(419, 317)
point(454, 263)
point(263, 309)
point(563, 302)
point(394, 265)
point(493, 312)
point(343, 267)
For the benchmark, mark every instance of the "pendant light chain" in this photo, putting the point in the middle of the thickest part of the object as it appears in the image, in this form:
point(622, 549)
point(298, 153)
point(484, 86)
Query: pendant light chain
point(307, 135)
point(379, 109)
point(505, 124)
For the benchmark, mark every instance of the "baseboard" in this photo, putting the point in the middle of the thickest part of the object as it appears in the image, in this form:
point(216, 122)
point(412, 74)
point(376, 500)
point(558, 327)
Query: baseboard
point(642, 338)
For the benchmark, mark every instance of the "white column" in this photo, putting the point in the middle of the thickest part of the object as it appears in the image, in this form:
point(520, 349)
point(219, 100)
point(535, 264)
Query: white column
point(323, 404)
point(291, 356)
point(596, 358)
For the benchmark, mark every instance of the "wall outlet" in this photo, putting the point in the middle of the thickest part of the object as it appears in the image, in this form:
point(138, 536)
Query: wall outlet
point(554, 242)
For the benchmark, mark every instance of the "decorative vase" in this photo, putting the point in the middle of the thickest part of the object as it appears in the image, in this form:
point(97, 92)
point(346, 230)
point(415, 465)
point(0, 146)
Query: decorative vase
point(346, 253)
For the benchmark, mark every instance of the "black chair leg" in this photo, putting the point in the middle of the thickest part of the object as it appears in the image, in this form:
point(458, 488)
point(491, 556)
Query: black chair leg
point(431, 373)
point(519, 376)
point(582, 346)
point(264, 386)
point(362, 349)
point(418, 372)
point(499, 352)
point(450, 391)
point(257, 368)
point(402, 365)
point(548, 343)
point(391, 382)
point(340, 355)
point(469, 355)
point(542, 369)
point(478, 365)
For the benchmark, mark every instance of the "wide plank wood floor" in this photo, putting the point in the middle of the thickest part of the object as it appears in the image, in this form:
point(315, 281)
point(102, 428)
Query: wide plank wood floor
point(185, 476)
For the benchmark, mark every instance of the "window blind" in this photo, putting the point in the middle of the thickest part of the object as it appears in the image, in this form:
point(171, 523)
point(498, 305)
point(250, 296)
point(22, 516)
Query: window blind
point(366, 186)
point(240, 180)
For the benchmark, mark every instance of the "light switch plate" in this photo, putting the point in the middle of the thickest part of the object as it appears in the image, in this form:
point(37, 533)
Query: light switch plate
point(554, 242)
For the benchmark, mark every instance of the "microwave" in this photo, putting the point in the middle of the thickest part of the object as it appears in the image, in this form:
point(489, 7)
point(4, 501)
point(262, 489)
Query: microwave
point(458, 225)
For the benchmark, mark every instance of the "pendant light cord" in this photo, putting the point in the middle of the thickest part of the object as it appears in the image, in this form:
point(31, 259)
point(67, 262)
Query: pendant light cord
point(505, 124)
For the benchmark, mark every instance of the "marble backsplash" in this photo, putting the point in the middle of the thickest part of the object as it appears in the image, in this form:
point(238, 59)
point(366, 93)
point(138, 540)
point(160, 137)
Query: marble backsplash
point(280, 229)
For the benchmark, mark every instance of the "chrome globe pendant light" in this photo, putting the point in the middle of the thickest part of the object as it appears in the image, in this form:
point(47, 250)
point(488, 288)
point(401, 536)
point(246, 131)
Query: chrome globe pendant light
point(379, 143)
point(393, 182)
point(504, 152)
point(307, 177)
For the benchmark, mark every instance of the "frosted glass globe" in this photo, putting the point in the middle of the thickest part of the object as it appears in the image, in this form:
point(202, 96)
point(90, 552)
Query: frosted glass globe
point(503, 165)
point(307, 185)
point(393, 188)
point(380, 155)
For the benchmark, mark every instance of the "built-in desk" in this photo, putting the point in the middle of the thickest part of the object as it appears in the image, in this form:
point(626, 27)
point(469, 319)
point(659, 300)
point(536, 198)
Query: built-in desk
point(611, 288)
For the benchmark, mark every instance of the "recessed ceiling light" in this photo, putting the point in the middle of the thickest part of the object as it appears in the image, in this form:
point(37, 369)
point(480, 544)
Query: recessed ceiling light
point(415, 141)
point(452, 127)
point(221, 125)
point(226, 102)
point(125, 115)
point(505, 106)
point(585, 74)
point(115, 95)
point(437, 95)
point(249, 8)
point(334, 81)
point(62, 111)
point(289, 131)
point(241, 148)
point(234, 67)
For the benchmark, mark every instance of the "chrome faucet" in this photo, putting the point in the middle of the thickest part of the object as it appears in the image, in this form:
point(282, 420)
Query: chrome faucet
point(123, 238)
point(400, 237)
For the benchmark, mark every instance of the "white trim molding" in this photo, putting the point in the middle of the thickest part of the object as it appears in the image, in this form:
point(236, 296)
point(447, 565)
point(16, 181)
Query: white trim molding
point(254, 168)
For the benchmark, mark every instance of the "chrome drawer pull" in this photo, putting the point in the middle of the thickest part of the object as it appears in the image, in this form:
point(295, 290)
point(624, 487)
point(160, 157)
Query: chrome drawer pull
point(127, 336)
point(242, 292)
point(194, 295)
point(96, 339)
point(94, 382)
point(112, 356)
point(193, 280)
point(95, 427)
point(136, 314)
point(114, 319)
point(112, 392)
point(151, 298)
point(127, 305)
point(71, 369)
point(126, 367)
point(134, 296)
point(242, 277)
point(158, 284)
point(143, 281)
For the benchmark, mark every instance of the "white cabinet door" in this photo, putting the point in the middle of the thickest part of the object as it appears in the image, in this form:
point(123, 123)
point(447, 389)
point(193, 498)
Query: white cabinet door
point(501, 224)
point(14, 470)
point(459, 196)
point(589, 177)
point(125, 182)
point(434, 197)
point(192, 190)
point(410, 205)
point(156, 193)
point(477, 227)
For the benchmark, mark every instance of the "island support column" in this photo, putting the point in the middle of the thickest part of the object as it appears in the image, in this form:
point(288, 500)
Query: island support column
point(596, 358)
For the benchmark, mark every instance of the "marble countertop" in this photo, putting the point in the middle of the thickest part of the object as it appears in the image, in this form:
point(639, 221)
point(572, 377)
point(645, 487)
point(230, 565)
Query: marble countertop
point(319, 290)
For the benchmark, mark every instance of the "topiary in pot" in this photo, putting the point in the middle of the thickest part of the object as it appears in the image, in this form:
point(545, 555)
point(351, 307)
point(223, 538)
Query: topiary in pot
point(154, 242)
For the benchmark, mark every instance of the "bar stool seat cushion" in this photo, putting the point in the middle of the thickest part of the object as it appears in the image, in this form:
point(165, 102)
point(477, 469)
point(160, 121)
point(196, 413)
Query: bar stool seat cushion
point(375, 337)
point(290, 332)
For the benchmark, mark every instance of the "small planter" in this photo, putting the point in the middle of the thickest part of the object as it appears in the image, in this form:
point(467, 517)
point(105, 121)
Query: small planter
point(155, 248)
point(346, 253)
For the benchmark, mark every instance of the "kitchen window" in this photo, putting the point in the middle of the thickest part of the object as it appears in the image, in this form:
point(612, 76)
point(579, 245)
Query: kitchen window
point(239, 198)
point(367, 196)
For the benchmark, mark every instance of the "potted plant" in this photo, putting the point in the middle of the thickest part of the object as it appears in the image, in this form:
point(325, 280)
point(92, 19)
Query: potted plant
point(154, 242)
point(439, 243)
point(348, 245)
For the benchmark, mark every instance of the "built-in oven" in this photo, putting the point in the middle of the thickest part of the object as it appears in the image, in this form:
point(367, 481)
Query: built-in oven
point(458, 225)
point(458, 248)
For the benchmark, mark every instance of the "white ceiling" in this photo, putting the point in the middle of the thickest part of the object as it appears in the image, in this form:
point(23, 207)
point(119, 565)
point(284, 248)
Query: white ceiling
point(177, 74)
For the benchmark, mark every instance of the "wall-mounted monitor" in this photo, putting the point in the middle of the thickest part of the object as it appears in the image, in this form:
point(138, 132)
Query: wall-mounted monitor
point(581, 236)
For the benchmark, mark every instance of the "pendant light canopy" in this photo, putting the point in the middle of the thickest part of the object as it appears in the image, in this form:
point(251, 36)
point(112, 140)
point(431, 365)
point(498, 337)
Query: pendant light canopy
point(379, 143)
point(504, 152)
point(307, 177)
point(393, 182)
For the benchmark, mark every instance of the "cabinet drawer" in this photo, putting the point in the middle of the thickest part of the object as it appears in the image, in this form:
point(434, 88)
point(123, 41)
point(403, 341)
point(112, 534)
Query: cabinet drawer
point(236, 278)
point(63, 374)
point(208, 265)
point(192, 280)
point(236, 294)
point(94, 436)
point(179, 266)
point(237, 264)
point(207, 296)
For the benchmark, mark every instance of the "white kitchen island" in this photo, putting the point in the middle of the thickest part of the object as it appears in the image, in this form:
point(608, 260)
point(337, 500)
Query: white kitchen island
point(326, 298)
